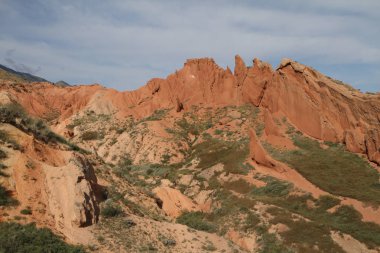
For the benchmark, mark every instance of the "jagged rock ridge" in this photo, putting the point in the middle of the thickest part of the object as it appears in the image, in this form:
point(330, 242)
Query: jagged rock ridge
point(314, 103)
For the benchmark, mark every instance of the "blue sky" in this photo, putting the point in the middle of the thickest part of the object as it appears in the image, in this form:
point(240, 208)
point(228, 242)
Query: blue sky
point(123, 44)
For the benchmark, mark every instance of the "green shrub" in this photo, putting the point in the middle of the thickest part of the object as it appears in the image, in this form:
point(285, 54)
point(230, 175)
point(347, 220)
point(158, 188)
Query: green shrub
point(218, 131)
point(10, 112)
point(327, 201)
point(3, 155)
point(259, 129)
point(5, 198)
point(273, 188)
point(26, 211)
point(196, 220)
point(90, 135)
point(5, 137)
point(270, 244)
point(111, 210)
point(27, 238)
point(125, 162)
point(2, 167)
point(165, 159)
point(251, 221)
point(209, 247)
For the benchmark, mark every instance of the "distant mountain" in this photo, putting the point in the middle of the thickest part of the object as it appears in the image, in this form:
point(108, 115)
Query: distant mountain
point(10, 74)
point(62, 84)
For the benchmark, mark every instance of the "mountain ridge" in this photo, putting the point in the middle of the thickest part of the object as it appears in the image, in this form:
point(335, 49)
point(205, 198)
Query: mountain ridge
point(8, 73)
point(314, 103)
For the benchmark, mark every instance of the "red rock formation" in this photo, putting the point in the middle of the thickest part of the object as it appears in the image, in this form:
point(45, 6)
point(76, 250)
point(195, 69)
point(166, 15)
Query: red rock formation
point(317, 105)
point(258, 153)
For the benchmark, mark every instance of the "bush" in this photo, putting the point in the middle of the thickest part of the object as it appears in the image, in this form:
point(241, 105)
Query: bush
point(273, 188)
point(26, 211)
point(218, 131)
point(327, 201)
point(10, 112)
point(4, 137)
point(90, 135)
point(196, 220)
point(5, 199)
point(165, 159)
point(251, 221)
point(3, 174)
point(3, 155)
point(27, 238)
point(125, 162)
point(111, 210)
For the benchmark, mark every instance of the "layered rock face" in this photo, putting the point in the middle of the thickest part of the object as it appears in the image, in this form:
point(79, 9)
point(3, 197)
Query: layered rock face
point(59, 185)
point(71, 193)
point(317, 105)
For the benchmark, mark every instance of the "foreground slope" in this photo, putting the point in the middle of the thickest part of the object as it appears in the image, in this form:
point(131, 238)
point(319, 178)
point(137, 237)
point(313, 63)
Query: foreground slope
point(260, 160)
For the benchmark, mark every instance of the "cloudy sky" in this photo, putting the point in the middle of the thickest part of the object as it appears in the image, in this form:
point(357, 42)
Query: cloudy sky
point(122, 44)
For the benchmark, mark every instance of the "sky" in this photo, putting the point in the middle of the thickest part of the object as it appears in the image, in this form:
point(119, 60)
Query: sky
point(123, 44)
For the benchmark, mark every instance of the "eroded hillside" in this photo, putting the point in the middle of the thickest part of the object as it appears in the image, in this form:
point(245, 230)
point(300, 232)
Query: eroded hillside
point(259, 160)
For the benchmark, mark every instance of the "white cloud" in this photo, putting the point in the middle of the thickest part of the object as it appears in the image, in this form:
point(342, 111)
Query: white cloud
point(124, 43)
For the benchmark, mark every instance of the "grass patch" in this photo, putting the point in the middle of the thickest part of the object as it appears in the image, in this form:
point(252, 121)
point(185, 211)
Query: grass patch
point(27, 238)
point(259, 129)
point(232, 154)
point(89, 117)
point(197, 221)
point(333, 169)
point(304, 236)
point(345, 219)
point(239, 186)
point(156, 115)
point(126, 170)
